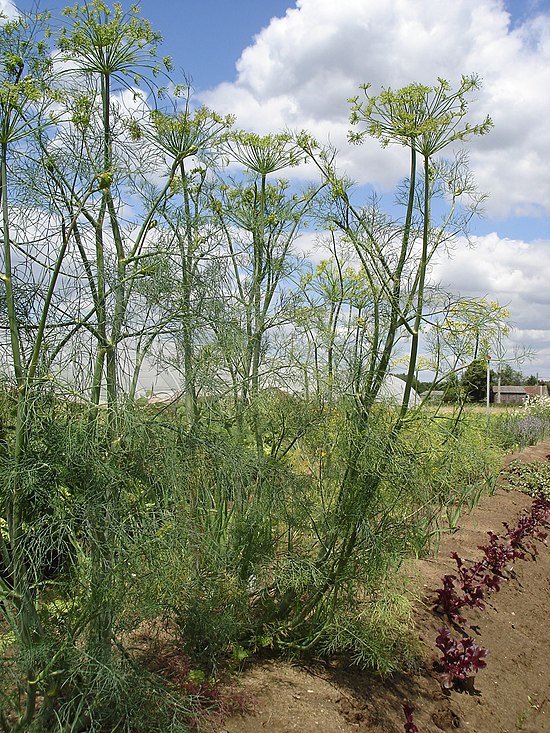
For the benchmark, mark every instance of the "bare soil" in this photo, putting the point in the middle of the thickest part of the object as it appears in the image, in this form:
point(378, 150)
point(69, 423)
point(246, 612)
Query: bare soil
point(511, 694)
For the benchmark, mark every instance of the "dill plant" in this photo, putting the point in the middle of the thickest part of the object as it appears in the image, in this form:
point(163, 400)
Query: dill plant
point(247, 518)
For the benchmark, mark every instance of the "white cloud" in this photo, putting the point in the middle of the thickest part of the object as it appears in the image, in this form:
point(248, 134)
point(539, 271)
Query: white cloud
point(514, 273)
point(8, 8)
point(301, 69)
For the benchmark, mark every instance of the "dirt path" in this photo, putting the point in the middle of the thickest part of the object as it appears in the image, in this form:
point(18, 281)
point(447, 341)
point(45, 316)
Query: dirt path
point(511, 695)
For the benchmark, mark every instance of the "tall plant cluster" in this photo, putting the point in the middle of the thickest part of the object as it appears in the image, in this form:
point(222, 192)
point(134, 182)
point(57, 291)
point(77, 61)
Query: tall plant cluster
point(271, 503)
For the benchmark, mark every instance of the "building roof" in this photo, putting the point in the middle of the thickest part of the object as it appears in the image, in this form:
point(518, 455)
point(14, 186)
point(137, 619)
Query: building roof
point(536, 389)
point(392, 390)
point(510, 389)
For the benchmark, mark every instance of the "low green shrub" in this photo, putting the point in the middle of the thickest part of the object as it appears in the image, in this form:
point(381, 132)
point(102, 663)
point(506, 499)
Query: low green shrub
point(531, 477)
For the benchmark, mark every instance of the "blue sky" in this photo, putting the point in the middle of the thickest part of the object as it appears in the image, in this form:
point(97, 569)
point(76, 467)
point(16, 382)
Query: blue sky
point(277, 63)
point(205, 38)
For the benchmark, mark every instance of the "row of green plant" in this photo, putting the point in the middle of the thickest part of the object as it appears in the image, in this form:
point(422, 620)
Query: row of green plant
point(532, 477)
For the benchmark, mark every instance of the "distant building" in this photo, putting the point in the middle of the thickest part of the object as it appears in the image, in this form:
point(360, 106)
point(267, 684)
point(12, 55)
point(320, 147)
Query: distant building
point(537, 389)
point(393, 389)
point(509, 394)
point(436, 395)
point(517, 394)
point(162, 399)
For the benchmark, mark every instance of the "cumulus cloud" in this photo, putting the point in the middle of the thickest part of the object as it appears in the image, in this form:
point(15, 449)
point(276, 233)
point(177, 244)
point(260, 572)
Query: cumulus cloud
point(7, 8)
point(514, 273)
point(302, 68)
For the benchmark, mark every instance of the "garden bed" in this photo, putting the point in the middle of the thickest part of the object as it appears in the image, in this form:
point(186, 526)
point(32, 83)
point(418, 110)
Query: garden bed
point(511, 694)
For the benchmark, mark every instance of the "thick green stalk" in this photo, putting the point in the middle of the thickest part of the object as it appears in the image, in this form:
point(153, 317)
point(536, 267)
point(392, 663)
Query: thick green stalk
point(102, 540)
point(29, 627)
point(97, 377)
point(186, 256)
point(255, 344)
point(6, 275)
point(413, 355)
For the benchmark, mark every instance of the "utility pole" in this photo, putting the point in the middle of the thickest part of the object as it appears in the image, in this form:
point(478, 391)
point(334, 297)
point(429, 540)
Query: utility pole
point(488, 386)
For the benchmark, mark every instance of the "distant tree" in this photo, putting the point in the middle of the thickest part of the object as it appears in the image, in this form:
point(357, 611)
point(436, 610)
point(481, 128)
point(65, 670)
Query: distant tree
point(532, 380)
point(509, 376)
point(451, 389)
point(474, 380)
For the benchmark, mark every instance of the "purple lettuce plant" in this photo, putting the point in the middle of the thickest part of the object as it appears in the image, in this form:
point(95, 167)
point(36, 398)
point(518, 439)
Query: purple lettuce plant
point(474, 581)
point(410, 726)
point(540, 510)
point(448, 600)
point(525, 527)
point(499, 556)
point(461, 659)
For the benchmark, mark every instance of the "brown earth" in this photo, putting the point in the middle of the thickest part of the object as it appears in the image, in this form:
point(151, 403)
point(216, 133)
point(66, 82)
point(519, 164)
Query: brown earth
point(511, 694)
